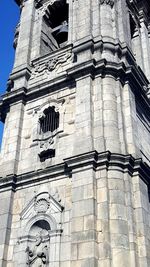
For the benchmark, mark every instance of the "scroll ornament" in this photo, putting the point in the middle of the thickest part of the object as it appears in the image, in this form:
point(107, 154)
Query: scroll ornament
point(51, 64)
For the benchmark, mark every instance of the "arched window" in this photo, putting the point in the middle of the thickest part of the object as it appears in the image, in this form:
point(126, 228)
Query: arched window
point(37, 250)
point(49, 121)
point(133, 26)
point(55, 25)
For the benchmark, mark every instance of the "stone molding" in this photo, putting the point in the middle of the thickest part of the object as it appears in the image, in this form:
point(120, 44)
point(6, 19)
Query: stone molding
point(93, 159)
point(41, 204)
point(132, 74)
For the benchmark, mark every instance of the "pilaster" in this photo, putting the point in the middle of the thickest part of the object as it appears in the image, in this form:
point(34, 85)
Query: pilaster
point(145, 45)
point(23, 50)
point(6, 202)
point(83, 116)
point(12, 139)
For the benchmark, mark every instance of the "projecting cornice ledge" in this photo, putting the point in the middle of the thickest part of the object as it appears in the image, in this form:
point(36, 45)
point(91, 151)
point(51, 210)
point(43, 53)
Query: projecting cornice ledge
point(131, 74)
point(108, 160)
point(94, 160)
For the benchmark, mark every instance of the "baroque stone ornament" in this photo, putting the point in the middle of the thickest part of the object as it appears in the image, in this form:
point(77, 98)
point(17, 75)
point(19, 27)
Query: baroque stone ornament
point(38, 3)
point(38, 255)
point(16, 36)
point(41, 205)
point(51, 64)
point(107, 2)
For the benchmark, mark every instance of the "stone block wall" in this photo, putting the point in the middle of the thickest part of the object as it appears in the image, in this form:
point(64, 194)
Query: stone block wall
point(88, 204)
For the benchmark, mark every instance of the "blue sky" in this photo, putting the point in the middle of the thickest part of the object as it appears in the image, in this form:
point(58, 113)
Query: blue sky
point(9, 17)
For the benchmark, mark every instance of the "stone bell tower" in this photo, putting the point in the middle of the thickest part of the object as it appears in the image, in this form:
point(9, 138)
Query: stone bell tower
point(74, 163)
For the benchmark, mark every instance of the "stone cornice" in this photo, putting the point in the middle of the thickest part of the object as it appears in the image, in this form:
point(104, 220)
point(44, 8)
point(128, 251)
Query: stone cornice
point(132, 75)
point(129, 73)
point(93, 159)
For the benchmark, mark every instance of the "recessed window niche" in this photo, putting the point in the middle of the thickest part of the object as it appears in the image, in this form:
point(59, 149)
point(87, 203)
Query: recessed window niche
point(54, 34)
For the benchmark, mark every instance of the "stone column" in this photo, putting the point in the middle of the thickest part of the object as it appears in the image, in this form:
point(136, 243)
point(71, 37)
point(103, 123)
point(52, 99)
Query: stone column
point(6, 202)
point(83, 116)
point(22, 56)
point(95, 18)
point(106, 24)
point(118, 219)
point(145, 46)
point(21, 70)
point(72, 21)
point(84, 250)
point(129, 115)
point(12, 140)
point(137, 48)
point(98, 129)
point(110, 115)
point(103, 215)
point(129, 199)
point(141, 215)
point(123, 22)
point(84, 22)
point(106, 27)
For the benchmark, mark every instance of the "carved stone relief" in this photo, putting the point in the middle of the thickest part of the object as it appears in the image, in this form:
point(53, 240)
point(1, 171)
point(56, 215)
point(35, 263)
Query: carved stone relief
point(51, 64)
point(38, 3)
point(107, 2)
point(42, 7)
point(37, 254)
point(16, 36)
point(43, 3)
point(40, 223)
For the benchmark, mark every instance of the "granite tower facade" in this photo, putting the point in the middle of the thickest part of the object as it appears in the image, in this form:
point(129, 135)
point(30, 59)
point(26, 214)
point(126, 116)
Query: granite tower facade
point(74, 163)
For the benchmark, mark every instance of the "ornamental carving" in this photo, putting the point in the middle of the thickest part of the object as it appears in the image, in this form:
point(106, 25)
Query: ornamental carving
point(16, 36)
point(37, 255)
point(41, 205)
point(107, 2)
point(42, 5)
point(51, 64)
point(40, 221)
point(38, 3)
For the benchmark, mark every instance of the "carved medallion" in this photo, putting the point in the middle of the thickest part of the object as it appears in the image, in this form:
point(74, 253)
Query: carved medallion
point(41, 205)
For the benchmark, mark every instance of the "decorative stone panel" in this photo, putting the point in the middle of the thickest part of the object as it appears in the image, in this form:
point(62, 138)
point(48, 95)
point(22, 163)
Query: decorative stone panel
point(47, 141)
point(40, 229)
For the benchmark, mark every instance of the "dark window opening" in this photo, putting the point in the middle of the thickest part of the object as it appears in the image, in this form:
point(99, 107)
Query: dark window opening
point(50, 121)
point(57, 18)
point(132, 27)
point(42, 224)
point(50, 153)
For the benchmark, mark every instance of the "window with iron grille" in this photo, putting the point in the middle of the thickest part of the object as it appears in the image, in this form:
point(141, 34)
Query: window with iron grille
point(49, 121)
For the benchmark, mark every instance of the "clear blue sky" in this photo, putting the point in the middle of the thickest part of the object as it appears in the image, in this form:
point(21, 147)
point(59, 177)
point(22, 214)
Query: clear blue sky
point(9, 17)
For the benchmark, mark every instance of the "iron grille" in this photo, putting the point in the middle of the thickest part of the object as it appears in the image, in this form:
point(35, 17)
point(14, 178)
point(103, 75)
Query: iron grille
point(50, 121)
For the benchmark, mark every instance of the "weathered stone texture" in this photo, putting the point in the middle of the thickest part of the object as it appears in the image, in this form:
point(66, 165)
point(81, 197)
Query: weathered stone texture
point(75, 192)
